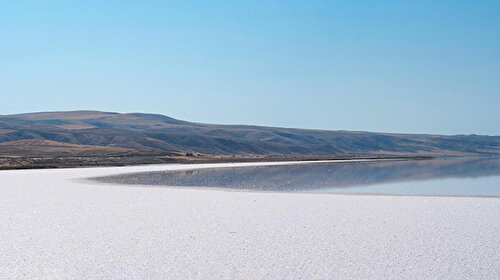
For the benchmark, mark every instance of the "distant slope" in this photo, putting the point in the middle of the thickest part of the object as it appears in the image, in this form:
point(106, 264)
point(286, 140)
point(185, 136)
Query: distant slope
point(41, 148)
point(151, 133)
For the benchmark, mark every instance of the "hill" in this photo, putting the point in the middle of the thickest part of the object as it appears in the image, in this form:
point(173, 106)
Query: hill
point(104, 134)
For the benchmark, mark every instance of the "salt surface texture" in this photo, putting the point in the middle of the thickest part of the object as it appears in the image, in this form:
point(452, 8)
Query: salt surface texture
point(54, 226)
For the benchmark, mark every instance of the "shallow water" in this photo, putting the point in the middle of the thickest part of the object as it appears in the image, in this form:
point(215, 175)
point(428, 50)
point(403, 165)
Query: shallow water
point(450, 177)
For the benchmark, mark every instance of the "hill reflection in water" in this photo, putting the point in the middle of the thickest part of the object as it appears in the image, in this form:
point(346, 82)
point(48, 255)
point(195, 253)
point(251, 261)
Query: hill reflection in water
point(326, 177)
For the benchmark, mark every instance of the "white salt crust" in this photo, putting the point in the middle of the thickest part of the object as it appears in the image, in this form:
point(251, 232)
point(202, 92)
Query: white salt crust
point(53, 226)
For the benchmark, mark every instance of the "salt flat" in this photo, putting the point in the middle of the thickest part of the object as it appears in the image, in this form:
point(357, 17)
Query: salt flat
point(56, 226)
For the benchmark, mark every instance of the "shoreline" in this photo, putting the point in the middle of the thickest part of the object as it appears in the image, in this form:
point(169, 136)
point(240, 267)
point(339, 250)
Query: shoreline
point(14, 163)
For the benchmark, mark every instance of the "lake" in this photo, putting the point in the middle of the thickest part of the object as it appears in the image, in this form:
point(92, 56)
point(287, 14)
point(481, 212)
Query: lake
point(443, 177)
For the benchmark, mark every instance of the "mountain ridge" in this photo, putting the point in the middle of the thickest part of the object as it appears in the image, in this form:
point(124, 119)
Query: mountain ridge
point(156, 134)
point(36, 116)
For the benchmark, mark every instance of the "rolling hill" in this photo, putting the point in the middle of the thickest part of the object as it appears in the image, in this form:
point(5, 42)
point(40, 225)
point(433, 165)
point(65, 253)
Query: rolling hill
point(104, 134)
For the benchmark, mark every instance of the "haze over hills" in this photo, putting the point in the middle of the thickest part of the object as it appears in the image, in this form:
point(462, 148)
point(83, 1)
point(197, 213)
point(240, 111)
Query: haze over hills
point(102, 134)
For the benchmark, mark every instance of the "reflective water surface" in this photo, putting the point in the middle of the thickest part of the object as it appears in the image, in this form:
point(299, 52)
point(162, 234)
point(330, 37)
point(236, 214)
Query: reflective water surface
point(462, 177)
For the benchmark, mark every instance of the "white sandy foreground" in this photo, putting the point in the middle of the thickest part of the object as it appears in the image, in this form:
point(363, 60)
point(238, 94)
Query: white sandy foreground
point(55, 227)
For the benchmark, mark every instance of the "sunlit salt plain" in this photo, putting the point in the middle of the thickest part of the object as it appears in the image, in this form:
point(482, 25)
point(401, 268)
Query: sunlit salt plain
point(55, 224)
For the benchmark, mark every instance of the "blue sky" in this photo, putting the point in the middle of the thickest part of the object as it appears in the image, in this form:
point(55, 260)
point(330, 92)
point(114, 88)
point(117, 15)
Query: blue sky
point(394, 66)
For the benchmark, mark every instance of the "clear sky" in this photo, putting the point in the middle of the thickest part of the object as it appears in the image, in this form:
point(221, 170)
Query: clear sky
point(395, 66)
